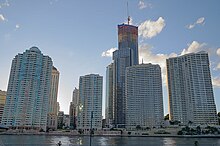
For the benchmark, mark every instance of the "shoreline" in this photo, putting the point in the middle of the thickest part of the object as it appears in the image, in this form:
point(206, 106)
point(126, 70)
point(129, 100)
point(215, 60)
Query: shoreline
point(105, 135)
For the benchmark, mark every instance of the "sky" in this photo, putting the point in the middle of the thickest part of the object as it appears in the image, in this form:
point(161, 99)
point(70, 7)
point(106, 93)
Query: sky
point(80, 36)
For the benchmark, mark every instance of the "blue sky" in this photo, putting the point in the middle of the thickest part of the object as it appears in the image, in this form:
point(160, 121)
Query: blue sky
point(79, 36)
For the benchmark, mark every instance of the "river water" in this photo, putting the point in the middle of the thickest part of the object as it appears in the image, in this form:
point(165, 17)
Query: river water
point(36, 140)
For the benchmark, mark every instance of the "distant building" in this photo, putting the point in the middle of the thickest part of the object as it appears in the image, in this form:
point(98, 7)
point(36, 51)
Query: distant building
point(109, 104)
point(73, 109)
point(144, 96)
point(66, 121)
point(90, 102)
point(2, 102)
point(125, 56)
point(190, 89)
point(28, 91)
point(60, 120)
point(52, 108)
point(72, 116)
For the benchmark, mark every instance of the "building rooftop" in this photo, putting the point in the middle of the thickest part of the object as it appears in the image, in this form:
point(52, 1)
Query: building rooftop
point(35, 49)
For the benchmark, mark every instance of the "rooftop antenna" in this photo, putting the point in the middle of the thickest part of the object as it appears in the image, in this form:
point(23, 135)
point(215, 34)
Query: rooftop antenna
point(128, 14)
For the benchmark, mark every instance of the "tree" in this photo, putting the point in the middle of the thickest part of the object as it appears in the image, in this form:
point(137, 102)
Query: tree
point(166, 117)
point(138, 127)
point(198, 129)
point(180, 132)
point(175, 122)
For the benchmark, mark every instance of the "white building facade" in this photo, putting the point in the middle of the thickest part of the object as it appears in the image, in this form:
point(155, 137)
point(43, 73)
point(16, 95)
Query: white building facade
point(90, 102)
point(190, 89)
point(28, 91)
point(144, 97)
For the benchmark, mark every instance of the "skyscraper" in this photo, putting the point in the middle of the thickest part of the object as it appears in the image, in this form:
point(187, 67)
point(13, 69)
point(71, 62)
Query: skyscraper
point(2, 102)
point(52, 108)
point(28, 90)
point(90, 102)
point(73, 108)
point(190, 89)
point(125, 56)
point(109, 103)
point(144, 97)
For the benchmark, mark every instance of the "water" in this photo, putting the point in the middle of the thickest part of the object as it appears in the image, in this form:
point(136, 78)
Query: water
point(36, 140)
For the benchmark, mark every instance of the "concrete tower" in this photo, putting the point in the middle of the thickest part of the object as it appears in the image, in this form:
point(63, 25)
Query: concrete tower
point(28, 90)
point(144, 97)
point(90, 102)
point(190, 89)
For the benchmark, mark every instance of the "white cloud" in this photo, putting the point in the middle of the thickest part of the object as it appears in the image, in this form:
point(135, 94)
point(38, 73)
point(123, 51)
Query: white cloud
point(149, 29)
point(146, 54)
point(218, 52)
point(216, 82)
point(2, 18)
point(199, 21)
point(17, 26)
point(4, 4)
point(52, 2)
point(191, 26)
point(218, 66)
point(109, 52)
point(143, 5)
point(193, 47)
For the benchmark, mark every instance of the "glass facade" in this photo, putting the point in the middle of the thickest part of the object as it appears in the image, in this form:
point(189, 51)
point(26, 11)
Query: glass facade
point(125, 56)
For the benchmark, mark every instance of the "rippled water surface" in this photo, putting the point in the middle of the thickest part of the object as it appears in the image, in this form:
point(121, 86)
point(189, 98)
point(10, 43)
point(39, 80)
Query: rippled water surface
point(36, 140)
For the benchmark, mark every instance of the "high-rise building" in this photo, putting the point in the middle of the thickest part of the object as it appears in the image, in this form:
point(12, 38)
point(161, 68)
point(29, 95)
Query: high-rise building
point(144, 97)
point(2, 102)
point(125, 56)
point(190, 89)
point(28, 90)
point(90, 102)
point(109, 104)
point(52, 108)
point(73, 108)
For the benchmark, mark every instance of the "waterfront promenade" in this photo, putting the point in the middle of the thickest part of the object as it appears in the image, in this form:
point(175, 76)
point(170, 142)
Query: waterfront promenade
point(163, 132)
